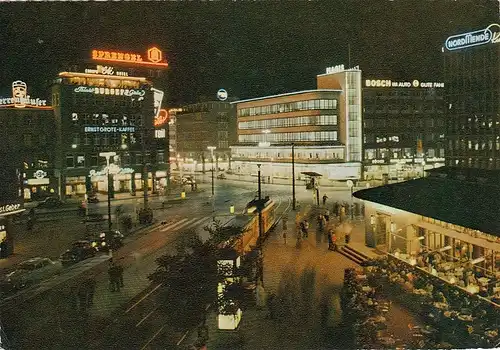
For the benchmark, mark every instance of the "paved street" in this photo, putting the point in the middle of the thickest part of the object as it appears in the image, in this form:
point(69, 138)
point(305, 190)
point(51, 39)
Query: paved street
point(138, 258)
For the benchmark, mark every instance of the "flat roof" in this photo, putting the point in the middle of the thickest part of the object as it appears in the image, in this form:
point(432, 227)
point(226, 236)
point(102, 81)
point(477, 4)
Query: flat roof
point(286, 94)
point(469, 204)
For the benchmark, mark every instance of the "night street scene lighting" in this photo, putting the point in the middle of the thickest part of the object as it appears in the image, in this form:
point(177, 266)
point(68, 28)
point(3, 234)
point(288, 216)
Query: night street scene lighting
point(353, 147)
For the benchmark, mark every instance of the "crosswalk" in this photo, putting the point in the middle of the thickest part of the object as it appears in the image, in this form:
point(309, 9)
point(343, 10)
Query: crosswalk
point(187, 223)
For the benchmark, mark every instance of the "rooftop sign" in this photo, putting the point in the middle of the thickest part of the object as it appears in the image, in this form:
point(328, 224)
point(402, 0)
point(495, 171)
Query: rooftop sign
point(106, 70)
point(20, 97)
point(490, 34)
point(153, 57)
point(387, 83)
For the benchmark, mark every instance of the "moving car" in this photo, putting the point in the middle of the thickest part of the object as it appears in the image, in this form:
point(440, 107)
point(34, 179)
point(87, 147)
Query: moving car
point(50, 202)
point(107, 240)
point(32, 271)
point(80, 250)
point(93, 199)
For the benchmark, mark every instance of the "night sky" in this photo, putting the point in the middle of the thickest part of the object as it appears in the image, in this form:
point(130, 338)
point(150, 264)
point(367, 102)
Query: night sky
point(249, 48)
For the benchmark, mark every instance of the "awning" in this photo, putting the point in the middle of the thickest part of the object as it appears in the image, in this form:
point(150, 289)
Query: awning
point(311, 173)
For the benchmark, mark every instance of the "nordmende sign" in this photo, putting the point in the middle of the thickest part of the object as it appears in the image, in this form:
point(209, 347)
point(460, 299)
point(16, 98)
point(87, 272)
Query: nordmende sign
point(488, 35)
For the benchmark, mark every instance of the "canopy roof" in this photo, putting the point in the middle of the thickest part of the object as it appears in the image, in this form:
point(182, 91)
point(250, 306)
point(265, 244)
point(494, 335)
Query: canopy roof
point(311, 173)
point(469, 204)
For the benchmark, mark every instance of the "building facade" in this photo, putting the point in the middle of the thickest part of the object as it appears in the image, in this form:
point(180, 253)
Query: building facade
point(202, 125)
point(452, 214)
point(324, 125)
point(472, 78)
point(100, 113)
point(403, 128)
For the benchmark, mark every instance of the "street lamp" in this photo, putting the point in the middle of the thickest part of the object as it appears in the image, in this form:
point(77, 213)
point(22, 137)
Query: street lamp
point(108, 155)
point(293, 176)
point(212, 149)
point(259, 239)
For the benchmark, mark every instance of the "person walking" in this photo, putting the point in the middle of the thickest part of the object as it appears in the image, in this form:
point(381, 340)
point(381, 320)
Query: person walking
point(327, 215)
point(325, 197)
point(119, 273)
point(305, 228)
point(347, 237)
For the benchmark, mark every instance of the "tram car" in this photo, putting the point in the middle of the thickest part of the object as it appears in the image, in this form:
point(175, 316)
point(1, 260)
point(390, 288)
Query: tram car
point(251, 228)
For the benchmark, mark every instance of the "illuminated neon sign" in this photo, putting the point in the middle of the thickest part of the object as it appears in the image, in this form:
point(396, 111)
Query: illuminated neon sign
point(387, 83)
point(111, 129)
point(106, 70)
point(162, 117)
point(20, 97)
point(157, 100)
point(154, 57)
point(490, 34)
point(110, 91)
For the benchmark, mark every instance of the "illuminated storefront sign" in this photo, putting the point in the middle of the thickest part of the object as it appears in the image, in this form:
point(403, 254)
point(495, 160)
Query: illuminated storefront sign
point(20, 97)
point(154, 57)
point(157, 100)
point(8, 208)
point(490, 34)
point(113, 169)
point(106, 70)
point(383, 83)
point(110, 91)
point(339, 68)
point(160, 134)
point(110, 129)
point(40, 174)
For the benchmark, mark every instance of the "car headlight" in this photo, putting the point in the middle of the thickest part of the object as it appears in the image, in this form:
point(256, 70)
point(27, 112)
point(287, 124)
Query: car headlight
point(94, 244)
point(103, 243)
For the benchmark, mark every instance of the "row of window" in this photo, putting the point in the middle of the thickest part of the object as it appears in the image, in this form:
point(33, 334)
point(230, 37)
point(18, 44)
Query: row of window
point(289, 107)
point(81, 160)
point(290, 136)
point(404, 122)
point(417, 93)
point(287, 122)
point(97, 139)
point(407, 108)
point(488, 163)
point(106, 101)
point(475, 145)
point(399, 153)
point(407, 138)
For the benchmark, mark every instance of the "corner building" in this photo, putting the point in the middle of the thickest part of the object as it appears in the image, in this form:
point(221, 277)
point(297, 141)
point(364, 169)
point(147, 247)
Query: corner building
point(403, 128)
point(98, 113)
point(324, 125)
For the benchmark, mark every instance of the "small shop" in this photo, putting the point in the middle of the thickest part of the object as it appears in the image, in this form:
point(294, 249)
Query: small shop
point(39, 184)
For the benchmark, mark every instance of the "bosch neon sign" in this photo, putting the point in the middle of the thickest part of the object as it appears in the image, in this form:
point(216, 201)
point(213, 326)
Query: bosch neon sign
point(490, 34)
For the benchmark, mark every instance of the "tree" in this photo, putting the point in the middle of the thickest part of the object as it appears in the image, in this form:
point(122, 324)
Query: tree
point(190, 275)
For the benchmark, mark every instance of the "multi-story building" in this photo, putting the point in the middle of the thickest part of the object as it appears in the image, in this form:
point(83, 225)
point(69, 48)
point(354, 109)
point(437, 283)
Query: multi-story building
point(324, 125)
point(101, 113)
point(453, 212)
point(202, 125)
point(473, 101)
point(24, 155)
point(403, 128)
point(28, 131)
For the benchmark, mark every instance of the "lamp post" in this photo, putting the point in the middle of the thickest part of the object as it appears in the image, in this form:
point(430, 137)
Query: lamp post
point(212, 149)
point(293, 176)
point(259, 239)
point(108, 155)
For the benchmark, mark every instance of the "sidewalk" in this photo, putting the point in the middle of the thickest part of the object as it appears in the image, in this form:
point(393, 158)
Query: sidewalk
point(306, 279)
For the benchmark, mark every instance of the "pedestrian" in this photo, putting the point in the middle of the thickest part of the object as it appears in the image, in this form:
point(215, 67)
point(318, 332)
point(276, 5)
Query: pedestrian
point(327, 215)
point(347, 237)
point(284, 236)
point(333, 240)
point(330, 241)
point(119, 273)
point(325, 197)
point(305, 228)
point(114, 278)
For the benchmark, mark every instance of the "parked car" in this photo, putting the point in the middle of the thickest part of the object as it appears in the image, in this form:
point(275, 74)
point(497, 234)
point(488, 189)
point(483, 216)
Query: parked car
point(32, 271)
point(221, 176)
point(79, 251)
point(50, 202)
point(107, 240)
